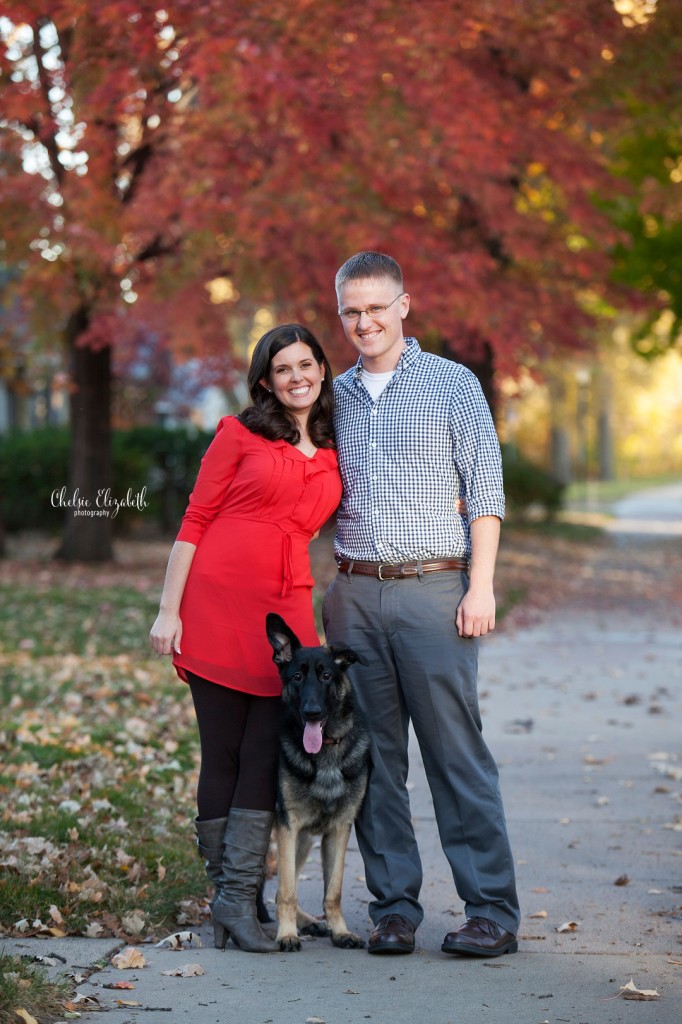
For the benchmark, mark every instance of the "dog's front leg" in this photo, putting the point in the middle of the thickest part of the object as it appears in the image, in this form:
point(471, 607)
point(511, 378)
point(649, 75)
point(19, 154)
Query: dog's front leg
point(334, 845)
point(287, 934)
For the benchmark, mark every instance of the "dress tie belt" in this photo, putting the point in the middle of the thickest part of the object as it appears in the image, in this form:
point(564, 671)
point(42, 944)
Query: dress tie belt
point(287, 565)
point(382, 571)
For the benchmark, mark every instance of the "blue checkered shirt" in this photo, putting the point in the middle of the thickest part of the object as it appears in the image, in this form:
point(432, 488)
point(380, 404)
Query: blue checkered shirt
point(405, 458)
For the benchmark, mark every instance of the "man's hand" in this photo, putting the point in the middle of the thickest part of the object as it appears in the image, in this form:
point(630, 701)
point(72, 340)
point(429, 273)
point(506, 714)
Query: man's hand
point(476, 613)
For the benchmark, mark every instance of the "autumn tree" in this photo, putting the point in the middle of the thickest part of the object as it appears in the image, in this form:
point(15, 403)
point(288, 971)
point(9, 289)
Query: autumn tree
point(645, 149)
point(261, 144)
point(102, 175)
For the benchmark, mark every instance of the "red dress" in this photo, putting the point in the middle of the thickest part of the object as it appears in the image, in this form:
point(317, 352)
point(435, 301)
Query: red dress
point(252, 513)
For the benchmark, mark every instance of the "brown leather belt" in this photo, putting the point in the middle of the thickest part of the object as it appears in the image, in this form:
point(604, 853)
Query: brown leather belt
point(400, 572)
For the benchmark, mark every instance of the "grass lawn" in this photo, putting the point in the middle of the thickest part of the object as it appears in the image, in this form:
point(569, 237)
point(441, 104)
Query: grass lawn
point(603, 492)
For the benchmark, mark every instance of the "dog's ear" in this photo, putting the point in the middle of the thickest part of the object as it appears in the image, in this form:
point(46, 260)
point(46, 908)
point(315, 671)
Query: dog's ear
point(283, 640)
point(344, 656)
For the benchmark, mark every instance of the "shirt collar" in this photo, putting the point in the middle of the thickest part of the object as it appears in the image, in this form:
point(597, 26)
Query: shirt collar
point(408, 356)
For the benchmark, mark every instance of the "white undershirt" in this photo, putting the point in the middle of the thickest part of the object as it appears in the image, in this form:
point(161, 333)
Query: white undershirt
point(375, 382)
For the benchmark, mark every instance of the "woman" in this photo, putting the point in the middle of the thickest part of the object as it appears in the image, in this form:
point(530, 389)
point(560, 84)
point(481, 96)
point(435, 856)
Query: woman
point(267, 483)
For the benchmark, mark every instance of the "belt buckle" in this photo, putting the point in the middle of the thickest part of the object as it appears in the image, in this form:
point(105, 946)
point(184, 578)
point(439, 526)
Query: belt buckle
point(382, 578)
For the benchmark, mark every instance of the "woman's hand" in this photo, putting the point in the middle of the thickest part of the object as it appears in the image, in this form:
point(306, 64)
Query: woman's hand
point(166, 633)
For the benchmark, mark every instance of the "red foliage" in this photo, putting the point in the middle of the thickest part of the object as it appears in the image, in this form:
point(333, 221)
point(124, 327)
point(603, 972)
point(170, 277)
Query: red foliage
point(268, 141)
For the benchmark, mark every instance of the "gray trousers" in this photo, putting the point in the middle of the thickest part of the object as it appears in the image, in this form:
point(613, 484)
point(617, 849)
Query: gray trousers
point(419, 669)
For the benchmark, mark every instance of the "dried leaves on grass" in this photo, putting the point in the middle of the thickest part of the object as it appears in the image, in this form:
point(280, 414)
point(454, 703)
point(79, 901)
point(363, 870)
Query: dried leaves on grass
point(99, 759)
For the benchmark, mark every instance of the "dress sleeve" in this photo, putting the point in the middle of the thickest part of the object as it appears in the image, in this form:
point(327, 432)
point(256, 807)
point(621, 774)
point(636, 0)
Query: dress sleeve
point(216, 473)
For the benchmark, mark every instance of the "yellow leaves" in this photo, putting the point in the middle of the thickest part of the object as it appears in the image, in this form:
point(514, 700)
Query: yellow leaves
point(25, 1016)
point(129, 959)
point(568, 926)
point(539, 914)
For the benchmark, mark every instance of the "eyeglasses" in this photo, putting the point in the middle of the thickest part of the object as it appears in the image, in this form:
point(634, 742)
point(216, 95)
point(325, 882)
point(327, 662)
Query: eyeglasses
point(351, 315)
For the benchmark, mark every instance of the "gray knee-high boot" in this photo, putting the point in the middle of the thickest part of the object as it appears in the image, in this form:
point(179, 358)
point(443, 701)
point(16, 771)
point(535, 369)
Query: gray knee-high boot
point(246, 841)
point(210, 841)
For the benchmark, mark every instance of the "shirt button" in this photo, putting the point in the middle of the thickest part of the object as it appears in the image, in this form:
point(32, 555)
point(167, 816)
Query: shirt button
point(374, 412)
point(373, 444)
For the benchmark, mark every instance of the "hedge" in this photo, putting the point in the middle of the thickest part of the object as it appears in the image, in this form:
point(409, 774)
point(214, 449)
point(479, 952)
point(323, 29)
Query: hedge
point(34, 465)
point(165, 462)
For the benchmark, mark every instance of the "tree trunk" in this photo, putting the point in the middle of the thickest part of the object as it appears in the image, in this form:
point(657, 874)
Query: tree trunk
point(483, 367)
point(88, 538)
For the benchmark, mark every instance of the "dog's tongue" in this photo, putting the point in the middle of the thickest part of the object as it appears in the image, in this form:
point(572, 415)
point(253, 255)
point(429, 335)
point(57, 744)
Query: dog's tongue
point(312, 737)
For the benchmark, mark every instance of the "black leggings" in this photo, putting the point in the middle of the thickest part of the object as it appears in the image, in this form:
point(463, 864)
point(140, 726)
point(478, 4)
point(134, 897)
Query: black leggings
point(238, 734)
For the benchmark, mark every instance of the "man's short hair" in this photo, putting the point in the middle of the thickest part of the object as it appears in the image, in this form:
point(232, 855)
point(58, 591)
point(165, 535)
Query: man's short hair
point(366, 265)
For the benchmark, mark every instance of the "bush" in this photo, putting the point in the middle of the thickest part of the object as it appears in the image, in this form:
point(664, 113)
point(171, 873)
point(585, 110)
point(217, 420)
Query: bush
point(34, 464)
point(529, 489)
point(166, 462)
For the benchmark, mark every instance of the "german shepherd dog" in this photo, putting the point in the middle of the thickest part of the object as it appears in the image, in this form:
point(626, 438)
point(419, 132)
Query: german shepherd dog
point(323, 766)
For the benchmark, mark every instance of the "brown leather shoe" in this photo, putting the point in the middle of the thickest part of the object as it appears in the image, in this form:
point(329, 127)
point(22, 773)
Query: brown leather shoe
point(480, 937)
point(393, 934)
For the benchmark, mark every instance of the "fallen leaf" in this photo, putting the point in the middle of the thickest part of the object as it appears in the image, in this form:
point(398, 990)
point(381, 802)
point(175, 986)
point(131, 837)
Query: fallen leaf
point(82, 999)
point(55, 915)
point(540, 888)
point(186, 971)
point(622, 880)
point(539, 913)
point(127, 1002)
point(93, 930)
point(26, 1016)
point(568, 926)
point(119, 984)
point(134, 923)
point(178, 940)
point(315, 1020)
point(630, 991)
point(130, 957)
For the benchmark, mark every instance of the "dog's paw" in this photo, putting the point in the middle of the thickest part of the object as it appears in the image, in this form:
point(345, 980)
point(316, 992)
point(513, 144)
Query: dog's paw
point(318, 929)
point(347, 940)
point(289, 944)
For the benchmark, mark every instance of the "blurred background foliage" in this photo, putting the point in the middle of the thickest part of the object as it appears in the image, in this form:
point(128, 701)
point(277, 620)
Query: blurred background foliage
point(165, 202)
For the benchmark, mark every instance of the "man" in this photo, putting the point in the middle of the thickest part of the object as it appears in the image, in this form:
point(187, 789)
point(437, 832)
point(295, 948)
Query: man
point(413, 594)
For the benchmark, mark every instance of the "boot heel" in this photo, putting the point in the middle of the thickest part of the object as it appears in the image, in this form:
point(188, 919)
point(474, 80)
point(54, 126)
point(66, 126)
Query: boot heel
point(220, 935)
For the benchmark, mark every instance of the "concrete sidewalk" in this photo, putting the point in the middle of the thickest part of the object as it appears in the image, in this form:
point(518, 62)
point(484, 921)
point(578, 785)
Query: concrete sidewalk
point(583, 713)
